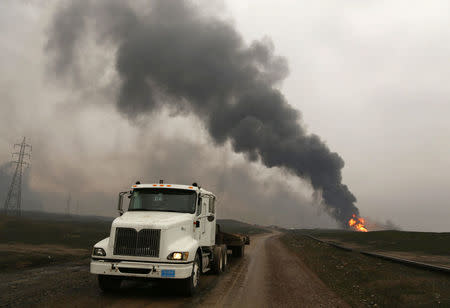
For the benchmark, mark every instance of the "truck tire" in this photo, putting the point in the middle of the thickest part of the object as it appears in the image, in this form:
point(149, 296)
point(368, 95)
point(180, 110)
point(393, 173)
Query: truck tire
point(191, 283)
point(217, 263)
point(224, 258)
point(109, 283)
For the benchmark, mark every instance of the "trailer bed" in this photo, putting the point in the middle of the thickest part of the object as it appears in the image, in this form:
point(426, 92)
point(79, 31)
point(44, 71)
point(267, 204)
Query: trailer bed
point(234, 242)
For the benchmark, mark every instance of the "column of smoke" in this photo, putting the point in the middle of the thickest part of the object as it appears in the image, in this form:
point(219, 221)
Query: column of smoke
point(172, 55)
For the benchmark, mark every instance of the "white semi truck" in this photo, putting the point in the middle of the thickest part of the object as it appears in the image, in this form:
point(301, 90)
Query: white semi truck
point(169, 231)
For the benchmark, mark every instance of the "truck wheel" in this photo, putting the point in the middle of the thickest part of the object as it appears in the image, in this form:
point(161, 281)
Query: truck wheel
point(191, 283)
point(109, 283)
point(217, 263)
point(224, 258)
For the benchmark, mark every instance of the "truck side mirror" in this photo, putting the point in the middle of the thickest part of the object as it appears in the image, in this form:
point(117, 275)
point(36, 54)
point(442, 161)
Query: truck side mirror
point(120, 203)
point(211, 218)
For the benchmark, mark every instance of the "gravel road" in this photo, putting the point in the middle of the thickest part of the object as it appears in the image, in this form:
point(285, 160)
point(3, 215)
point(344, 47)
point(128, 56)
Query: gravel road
point(269, 275)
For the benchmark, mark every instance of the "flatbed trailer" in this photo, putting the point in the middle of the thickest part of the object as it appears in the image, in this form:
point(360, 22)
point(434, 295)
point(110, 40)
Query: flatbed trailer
point(233, 241)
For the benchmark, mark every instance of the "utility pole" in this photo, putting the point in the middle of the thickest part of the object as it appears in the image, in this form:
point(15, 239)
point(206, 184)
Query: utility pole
point(13, 200)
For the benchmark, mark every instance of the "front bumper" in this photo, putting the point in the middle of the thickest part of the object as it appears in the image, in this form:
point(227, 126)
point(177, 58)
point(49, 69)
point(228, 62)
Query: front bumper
point(141, 269)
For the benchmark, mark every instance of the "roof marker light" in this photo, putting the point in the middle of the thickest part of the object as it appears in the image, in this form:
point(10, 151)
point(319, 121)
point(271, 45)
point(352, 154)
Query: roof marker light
point(155, 185)
point(168, 185)
point(191, 187)
point(161, 185)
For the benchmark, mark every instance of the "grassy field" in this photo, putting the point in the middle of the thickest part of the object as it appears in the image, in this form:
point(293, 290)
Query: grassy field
point(234, 226)
point(43, 238)
point(27, 241)
point(422, 242)
point(369, 282)
point(70, 233)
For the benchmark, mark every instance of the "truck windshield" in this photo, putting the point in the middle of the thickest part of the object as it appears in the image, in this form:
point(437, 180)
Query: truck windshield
point(163, 200)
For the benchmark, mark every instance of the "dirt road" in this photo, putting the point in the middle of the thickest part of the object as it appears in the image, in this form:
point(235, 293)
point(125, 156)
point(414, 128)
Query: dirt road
point(269, 275)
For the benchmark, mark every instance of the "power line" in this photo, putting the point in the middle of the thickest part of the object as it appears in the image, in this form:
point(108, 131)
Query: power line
point(13, 202)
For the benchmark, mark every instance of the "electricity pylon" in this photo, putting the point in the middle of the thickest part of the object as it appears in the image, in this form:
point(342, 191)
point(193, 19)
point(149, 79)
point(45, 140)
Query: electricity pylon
point(13, 200)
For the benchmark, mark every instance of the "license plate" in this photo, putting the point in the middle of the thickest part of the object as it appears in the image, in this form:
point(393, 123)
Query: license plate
point(168, 273)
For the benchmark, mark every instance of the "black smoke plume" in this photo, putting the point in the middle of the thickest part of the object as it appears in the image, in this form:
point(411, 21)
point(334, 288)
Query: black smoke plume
point(172, 54)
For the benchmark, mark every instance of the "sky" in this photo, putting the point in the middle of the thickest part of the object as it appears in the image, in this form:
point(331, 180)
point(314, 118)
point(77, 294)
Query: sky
point(370, 78)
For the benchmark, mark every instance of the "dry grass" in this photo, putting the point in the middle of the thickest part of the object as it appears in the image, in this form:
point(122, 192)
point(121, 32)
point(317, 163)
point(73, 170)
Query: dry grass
point(405, 241)
point(25, 242)
point(234, 226)
point(365, 281)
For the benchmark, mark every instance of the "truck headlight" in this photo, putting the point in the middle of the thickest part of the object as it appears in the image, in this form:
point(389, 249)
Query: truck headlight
point(178, 256)
point(100, 252)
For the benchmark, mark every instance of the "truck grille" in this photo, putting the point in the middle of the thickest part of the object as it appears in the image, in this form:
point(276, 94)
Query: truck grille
point(144, 243)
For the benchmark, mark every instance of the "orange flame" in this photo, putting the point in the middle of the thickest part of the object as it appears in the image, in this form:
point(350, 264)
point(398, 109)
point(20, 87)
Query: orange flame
point(357, 223)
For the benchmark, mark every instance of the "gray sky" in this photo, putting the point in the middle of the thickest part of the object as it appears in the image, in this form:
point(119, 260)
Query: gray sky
point(370, 78)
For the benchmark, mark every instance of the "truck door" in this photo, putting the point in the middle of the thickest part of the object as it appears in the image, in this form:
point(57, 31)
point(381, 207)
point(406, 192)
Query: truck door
point(199, 213)
point(212, 224)
point(206, 227)
point(204, 220)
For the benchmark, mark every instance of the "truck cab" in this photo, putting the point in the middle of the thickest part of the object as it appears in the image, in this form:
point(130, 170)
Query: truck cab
point(168, 231)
